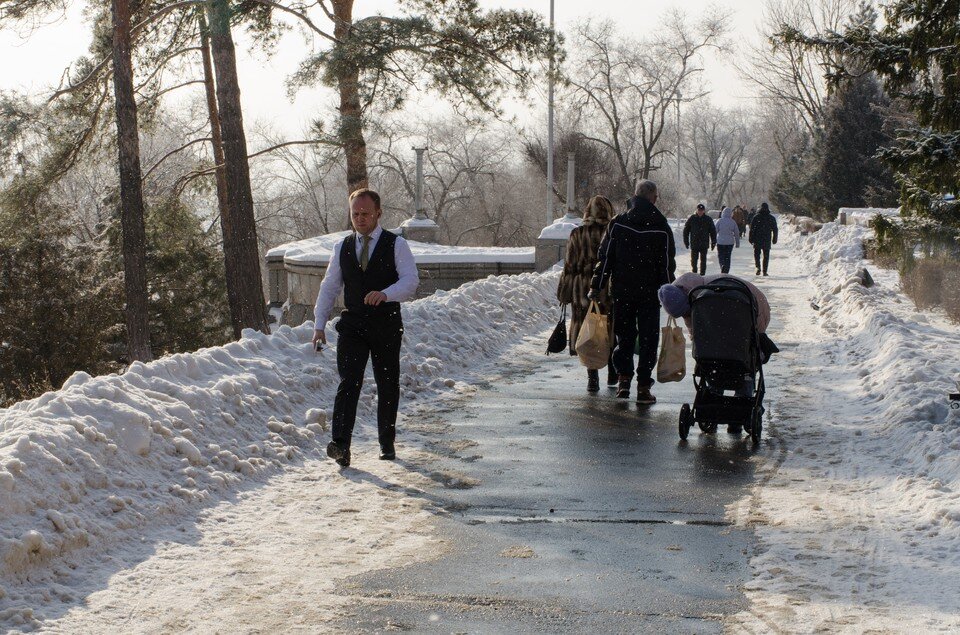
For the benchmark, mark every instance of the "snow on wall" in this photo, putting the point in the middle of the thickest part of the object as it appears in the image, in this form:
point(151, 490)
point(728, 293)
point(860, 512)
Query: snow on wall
point(317, 251)
point(92, 463)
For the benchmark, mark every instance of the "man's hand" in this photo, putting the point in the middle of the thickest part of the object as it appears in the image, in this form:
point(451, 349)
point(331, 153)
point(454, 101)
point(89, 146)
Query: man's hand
point(375, 298)
point(593, 294)
point(686, 245)
point(319, 335)
point(713, 246)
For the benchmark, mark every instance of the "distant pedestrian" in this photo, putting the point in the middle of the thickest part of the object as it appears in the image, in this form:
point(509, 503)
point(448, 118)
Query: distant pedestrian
point(740, 218)
point(637, 255)
point(763, 234)
point(699, 235)
point(751, 215)
point(376, 272)
point(581, 258)
point(728, 236)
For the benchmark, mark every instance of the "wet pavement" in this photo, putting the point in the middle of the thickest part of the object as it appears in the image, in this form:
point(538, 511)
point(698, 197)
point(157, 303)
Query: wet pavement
point(566, 511)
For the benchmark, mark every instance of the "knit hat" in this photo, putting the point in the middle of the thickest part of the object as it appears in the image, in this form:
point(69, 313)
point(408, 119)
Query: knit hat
point(764, 207)
point(674, 300)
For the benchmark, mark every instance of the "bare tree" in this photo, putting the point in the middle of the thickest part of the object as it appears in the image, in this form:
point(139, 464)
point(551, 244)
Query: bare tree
point(626, 88)
point(787, 74)
point(716, 144)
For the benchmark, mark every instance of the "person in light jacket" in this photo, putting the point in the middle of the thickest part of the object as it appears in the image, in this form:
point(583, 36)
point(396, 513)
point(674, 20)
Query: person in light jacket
point(728, 236)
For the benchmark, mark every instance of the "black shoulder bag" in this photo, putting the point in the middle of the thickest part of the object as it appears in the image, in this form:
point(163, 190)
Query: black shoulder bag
point(558, 339)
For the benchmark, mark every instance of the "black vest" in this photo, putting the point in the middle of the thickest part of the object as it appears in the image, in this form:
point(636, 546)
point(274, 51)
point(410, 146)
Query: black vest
point(381, 273)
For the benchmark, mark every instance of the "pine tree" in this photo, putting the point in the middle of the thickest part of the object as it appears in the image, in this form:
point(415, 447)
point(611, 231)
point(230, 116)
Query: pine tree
point(917, 54)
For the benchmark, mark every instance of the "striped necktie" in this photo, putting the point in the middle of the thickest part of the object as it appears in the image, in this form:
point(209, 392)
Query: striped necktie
point(365, 252)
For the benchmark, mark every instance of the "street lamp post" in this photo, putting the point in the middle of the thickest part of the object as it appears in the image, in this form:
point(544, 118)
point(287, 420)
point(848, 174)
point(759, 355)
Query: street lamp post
point(679, 97)
point(550, 198)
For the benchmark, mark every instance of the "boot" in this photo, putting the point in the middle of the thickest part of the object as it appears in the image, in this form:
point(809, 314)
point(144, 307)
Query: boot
point(593, 381)
point(623, 387)
point(644, 396)
point(611, 376)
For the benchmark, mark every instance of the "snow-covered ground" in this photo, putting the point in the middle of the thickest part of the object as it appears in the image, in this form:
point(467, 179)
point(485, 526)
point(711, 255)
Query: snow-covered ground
point(859, 515)
point(192, 491)
point(98, 477)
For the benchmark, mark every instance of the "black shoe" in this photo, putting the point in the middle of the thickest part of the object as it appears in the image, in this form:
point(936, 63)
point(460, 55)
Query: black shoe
point(611, 377)
point(765, 273)
point(758, 272)
point(387, 453)
point(623, 388)
point(339, 454)
point(593, 381)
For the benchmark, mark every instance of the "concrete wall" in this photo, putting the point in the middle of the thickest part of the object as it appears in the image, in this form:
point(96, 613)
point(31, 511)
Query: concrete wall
point(295, 287)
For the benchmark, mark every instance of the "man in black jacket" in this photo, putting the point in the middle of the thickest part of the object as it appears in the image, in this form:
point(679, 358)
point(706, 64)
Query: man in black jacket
point(763, 234)
point(699, 234)
point(639, 253)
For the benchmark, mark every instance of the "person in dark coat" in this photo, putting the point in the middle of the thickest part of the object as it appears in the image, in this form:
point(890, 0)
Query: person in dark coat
point(637, 256)
point(699, 234)
point(763, 234)
point(581, 258)
point(376, 271)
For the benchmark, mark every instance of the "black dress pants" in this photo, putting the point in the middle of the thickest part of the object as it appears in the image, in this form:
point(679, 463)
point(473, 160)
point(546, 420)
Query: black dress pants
point(701, 255)
point(636, 322)
point(765, 251)
point(365, 335)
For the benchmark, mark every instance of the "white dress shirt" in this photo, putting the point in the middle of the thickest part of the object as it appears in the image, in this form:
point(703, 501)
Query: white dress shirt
point(400, 291)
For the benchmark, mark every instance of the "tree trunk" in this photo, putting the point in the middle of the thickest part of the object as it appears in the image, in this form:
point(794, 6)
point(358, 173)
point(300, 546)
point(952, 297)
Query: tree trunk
point(131, 192)
point(245, 277)
point(350, 131)
point(226, 226)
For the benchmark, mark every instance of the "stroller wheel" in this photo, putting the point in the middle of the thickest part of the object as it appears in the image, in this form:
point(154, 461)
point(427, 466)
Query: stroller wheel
point(686, 421)
point(756, 425)
point(708, 428)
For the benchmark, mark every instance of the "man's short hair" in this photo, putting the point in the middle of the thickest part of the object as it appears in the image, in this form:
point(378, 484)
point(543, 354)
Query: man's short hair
point(646, 187)
point(366, 191)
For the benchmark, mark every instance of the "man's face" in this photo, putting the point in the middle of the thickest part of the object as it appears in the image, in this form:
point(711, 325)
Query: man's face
point(701, 211)
point(364, 215)
point(653, 196)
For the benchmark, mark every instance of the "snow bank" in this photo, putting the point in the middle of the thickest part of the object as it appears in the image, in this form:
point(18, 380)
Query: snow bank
point(93, 463)
point(860, 525)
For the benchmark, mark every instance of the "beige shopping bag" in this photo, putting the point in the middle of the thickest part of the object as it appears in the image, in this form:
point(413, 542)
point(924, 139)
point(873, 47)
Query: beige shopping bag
point(593, 343)
point(672, 363)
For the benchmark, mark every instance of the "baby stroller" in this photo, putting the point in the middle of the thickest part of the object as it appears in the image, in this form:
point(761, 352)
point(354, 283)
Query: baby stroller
point(727, 357)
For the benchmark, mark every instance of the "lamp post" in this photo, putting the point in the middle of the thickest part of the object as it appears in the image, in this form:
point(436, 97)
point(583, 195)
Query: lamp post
point(550, 198)
point(679, 97)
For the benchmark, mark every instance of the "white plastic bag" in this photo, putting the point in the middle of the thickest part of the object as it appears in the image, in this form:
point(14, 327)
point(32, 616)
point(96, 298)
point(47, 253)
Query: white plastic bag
point(672, 363)
point(593, 342)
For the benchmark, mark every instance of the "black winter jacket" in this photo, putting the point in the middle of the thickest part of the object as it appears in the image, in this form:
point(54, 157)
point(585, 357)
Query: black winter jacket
point(763, 230)
point(699, 233)
point(638, 250)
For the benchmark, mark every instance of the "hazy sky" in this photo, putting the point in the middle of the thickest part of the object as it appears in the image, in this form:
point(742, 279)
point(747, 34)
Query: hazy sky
point(35, 64)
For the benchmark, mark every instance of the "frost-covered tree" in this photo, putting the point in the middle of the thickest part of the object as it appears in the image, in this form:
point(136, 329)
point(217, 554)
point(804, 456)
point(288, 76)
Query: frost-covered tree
point(917, 54)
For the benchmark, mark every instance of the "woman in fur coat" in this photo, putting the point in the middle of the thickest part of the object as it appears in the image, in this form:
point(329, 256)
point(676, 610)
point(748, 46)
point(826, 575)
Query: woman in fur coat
point(582, 249)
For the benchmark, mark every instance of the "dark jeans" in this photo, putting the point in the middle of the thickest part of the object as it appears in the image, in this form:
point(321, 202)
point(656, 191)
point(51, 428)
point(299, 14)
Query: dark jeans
point(364, 336)
point(701, 255)
point(724, 254)
point(757, 250)
point(633, 318)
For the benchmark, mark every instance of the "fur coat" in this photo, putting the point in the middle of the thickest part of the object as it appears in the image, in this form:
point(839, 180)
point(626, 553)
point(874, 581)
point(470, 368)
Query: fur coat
point(582, 249)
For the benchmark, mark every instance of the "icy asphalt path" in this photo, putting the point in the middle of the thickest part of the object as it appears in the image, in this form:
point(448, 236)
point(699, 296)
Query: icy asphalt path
point(576, 513)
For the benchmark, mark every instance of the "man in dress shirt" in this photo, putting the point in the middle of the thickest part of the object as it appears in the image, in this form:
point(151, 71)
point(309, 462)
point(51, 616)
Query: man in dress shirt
point(376, 271)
